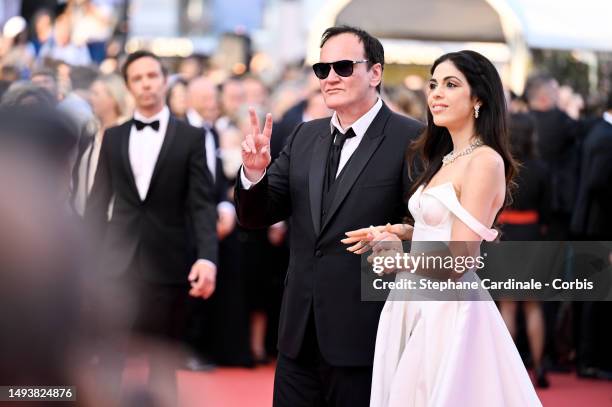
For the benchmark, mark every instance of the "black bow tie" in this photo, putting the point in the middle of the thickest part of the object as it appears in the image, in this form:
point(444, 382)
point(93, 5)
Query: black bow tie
point(141, 125)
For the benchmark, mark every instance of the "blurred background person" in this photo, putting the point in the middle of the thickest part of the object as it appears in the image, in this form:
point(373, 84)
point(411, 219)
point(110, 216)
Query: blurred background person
point(61, 48)
point(111, 106)
point(16, 50)
point(43, 28)
point(570, 102)
point(28, 94)
point(526, 220)
point(215, 339)
point(47, 78)
point(408, 102)
point(256, 92)
point(176, 98)
point(92, 26)
point(41, 294)
point(189, 68)
point(311, 108)
point(558, 145)
point(592, 220)
point(233, 96)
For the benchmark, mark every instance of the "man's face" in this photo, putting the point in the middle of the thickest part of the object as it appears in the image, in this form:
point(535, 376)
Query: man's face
point(341, 92)
point(147, 83)
point(203, 98)
point(233, 97)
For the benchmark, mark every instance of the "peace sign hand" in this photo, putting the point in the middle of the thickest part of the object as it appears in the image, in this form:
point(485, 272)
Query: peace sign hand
point(256, 148)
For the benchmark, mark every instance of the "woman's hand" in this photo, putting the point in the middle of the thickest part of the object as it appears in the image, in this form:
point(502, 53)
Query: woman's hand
point(360, 239)
point(386, 247)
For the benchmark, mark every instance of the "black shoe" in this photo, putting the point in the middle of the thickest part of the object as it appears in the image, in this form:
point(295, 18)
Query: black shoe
point(594, 373)
point(587, 372)
point(199, 365)
point(541, 380)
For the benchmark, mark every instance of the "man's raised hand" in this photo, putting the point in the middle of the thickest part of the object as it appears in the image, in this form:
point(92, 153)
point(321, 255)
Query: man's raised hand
point(256, 147)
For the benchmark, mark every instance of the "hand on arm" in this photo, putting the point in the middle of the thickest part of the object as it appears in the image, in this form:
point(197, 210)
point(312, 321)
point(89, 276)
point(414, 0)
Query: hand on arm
point(360, 239)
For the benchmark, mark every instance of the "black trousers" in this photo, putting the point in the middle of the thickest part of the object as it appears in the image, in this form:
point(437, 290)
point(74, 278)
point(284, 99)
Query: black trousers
point(147, 318)
point(309, 381)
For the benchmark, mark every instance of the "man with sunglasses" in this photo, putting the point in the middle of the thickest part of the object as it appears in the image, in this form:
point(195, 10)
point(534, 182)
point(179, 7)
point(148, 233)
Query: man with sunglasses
point(332, 176)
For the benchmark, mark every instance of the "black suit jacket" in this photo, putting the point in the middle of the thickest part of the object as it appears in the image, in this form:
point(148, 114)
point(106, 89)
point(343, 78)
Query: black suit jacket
point(163, 235)
point(592, 216)
point(323, 278)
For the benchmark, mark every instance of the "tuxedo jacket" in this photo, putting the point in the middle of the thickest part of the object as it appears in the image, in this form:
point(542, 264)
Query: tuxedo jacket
point(323, 278)
point(160, 237)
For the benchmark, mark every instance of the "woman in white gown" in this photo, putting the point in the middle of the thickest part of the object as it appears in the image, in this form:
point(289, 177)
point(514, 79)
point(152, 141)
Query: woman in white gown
point(452, 353)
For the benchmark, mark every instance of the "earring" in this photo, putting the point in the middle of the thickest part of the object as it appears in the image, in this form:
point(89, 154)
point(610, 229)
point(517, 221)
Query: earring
point(476, 109)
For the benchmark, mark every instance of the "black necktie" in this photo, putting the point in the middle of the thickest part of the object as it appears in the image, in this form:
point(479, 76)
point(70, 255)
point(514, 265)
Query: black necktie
point(141, 125)
point(333, 160)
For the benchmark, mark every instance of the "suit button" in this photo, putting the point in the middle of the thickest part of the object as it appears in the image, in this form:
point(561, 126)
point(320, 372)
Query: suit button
point(319, 253)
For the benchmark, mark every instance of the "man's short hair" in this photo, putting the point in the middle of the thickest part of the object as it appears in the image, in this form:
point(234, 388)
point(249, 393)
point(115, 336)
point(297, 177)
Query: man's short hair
point(535, 83)
point(134, 56)
point(373, 49)
point(44, 71)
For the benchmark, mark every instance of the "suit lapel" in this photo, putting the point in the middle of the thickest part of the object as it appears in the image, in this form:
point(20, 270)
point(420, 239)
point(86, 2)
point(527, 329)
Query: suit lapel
point(317, 172)
point(358, 161)
point(168, 138)
point(125, 155)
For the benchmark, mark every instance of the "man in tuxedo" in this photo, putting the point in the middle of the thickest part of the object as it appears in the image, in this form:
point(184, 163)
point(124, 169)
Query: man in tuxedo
point(161, 232)
point(332, 176)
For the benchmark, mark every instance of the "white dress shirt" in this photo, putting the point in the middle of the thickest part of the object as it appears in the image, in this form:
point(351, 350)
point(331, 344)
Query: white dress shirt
point(360, 127)
point(196, 120)
point(144, 149)
point(608, 117)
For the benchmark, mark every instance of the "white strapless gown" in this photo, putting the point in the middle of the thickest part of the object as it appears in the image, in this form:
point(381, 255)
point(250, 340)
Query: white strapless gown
point(446, 353)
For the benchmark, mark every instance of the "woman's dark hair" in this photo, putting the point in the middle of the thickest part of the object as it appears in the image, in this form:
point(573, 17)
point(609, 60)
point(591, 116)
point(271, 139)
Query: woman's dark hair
point(522, 129)
point(491, 127)
point(176, 82)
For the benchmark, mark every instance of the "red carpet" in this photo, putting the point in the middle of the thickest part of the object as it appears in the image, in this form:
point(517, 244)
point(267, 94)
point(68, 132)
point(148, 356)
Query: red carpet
point(228, 387)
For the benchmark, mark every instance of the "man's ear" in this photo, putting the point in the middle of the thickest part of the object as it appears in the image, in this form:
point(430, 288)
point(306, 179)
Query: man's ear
point(376, 75)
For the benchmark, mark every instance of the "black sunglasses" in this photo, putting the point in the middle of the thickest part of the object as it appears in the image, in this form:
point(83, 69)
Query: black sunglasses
point(342, 68)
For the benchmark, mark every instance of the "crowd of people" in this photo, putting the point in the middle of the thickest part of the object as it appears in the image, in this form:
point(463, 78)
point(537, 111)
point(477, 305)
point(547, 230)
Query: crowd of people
point(66, 80)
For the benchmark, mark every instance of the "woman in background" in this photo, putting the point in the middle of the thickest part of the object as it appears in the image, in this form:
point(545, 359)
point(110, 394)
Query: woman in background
point(111, 104)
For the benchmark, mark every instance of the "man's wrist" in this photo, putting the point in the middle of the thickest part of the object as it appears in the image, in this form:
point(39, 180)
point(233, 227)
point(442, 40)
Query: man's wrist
point(207, 262)
point(253, 175)
point(246, 182)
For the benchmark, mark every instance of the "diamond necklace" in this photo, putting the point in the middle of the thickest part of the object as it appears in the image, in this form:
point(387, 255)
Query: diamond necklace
point(452, 156)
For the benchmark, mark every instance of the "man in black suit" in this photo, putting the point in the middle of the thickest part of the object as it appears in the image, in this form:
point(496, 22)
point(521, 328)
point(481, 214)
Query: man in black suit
point(332, 177)
point(558, 144)
point(592, 220)
point(161, 233)
point(592, 216)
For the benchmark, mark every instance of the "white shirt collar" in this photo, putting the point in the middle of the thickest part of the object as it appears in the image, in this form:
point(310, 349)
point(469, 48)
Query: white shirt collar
point(163, 116)
point(361, 125)
point(194, 118)
point(607, 117)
